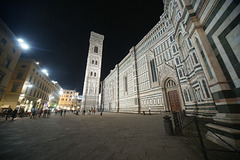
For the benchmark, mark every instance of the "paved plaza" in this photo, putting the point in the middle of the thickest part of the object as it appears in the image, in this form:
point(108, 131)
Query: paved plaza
point(91, 137)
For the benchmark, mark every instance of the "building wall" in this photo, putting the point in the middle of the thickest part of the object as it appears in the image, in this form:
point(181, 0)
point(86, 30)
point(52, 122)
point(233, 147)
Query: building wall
point(68, 99)
point(187, 53)
point(28, 86)
point(9, 55)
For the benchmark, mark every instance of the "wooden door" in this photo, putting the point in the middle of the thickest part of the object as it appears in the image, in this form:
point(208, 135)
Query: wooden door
point(174, 101)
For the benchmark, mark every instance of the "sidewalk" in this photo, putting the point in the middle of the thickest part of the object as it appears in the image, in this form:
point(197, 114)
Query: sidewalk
point(91, 137)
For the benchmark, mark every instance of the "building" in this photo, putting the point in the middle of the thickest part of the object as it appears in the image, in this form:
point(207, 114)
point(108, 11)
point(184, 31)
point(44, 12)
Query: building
point(91, 87)
point(29, 86)
point(9, 55)
point(68, 100)
point(55, 95)
point(188, 61)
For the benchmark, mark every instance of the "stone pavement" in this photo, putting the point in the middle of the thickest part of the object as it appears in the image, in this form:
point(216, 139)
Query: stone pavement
point(113, 136)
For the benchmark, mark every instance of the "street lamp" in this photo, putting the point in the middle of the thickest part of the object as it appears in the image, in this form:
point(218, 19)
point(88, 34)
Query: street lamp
point(23, 44)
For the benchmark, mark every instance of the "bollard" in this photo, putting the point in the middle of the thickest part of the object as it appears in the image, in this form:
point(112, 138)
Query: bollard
point(168, 125)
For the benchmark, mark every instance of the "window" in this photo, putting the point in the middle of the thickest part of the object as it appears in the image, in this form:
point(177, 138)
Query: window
point(190, 43)
point(153, 71)
point(31, 91)
point(24, 66)
point(26, 90)
point(96, 49)
point(205, 88)
point(91, 73)
point(92, 61)
point(14, 88)
point(95, 74)
point(95, 62)
point(186, 95)
point(180, 73)
point(174, 50)
point(195, 58)
point(125, 82)
point(7, 62)
point(3, 41)
point(177, 61)
point(20, 74)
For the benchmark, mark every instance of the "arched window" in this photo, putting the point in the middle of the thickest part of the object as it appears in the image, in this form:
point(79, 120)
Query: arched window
point(170, 83)
point(177, 61)
point(186, 95)
point(95, 62)
point(96, 49)
point(180, 73)
point(92, 61)
point(174, 49)
point(95, 74)
point(91, 73)
point(205, 88)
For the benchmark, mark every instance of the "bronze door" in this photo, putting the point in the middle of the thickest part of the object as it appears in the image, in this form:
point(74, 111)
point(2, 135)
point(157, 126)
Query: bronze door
point(174, 101)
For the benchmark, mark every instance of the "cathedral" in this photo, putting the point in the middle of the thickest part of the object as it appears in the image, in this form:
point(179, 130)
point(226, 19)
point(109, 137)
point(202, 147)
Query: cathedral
point(188, 61)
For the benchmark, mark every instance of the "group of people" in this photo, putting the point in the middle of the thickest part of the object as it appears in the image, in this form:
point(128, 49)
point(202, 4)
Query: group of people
point(11, 113)
point(40, 113)
point(61, 112)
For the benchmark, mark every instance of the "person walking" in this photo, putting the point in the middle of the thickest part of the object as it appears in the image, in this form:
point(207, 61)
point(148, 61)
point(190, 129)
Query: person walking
point(40, 113)
point(33, 113)
point(14, 114)
point(101, 113)
point(9, 112)
point(65, 112)
point(21, 112)
point(61, 112)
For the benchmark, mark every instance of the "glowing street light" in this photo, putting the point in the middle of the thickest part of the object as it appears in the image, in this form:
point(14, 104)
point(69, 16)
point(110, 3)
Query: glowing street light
point(45, 71)
point(23, 44)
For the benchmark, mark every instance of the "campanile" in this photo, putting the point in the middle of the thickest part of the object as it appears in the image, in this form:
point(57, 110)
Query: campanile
point(91, 87)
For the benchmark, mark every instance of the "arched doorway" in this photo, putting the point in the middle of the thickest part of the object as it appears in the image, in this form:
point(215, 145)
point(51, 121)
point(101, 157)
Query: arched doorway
point(172, 96)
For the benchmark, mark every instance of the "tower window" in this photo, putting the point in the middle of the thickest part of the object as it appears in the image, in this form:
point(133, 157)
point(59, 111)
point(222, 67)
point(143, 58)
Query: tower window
point(96, 49)
point(92, 61)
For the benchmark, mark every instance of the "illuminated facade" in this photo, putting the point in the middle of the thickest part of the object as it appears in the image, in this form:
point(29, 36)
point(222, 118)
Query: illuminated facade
point(188, 61)
point(9, 55)
point(91, 87)
point(68, 100)
point(29, 86)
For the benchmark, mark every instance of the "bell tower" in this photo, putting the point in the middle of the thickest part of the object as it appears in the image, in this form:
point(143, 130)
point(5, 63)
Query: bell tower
point(91, 87)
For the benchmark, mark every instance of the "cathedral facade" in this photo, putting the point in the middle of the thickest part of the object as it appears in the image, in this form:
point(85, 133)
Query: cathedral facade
point(188, 61)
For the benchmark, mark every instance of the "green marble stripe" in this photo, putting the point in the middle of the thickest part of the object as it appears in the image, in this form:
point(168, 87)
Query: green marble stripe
point(221, 19)
point(217, 8)
point(222, 37)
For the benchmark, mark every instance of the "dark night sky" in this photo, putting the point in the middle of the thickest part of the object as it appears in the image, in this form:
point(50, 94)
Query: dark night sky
point(58, 32)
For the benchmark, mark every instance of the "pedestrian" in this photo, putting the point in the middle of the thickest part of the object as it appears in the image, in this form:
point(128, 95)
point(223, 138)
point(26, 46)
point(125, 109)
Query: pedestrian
point(9, 112)
point(101, 113)
point(65, 112)
point(48, 113)
point(44, 113)
point(33, 113)
point(14, 114)
point(21, 112)
point(40, 113)
point(84, 112)
point(61, 112)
